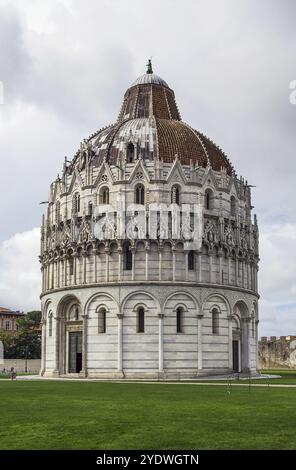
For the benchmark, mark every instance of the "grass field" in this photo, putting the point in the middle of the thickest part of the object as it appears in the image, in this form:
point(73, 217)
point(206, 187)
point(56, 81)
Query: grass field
point(73, 415)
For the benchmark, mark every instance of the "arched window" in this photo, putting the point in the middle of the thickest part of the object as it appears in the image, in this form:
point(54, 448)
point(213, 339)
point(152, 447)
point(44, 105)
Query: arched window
point(104, 195)
point(140, 194)
point(90, 208)
point(71, 265)
point(50, 325)
point(140, 320)
point(102, 321)
point(130, 154)
point(232, 206)
point(57, 212)
point(175, 195)
point(127, 257)
point(74, 312)
point(215, 321)
point(191, 261)
point(76, 203)
point(209, 199)
point(179, 320)
point(8, 325)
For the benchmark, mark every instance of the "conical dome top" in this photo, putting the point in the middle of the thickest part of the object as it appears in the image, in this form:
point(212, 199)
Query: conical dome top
point(149, 96)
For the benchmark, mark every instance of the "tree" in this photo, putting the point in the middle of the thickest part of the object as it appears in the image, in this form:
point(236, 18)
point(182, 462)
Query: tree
point(26, 342)
point(30, 321)
point(8, 340)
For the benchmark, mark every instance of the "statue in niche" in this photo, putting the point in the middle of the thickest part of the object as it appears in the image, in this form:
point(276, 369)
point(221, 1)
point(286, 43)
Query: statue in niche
point(210, 232)
point(228, 234)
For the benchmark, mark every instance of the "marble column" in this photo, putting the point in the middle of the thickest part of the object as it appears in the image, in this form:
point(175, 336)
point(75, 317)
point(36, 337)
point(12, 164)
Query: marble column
point(249, 342)
point(65, 269)
point(119, 343)
point(84, 346)
point(119, 263)
point(43, 348)
point(84, 266)
point(186, 253)
point(230, 338)
point(236, 271)
point(147, 250)
point(107, 259)
point(243, 273)
point(160, 342)
point(210, 267)
point(133, 250)
point(57, 347)
point(42, 277)
point(199, 267)
point(199, 342)
point(256, 339)
point(245, 345)
point(75, 267)
point(96, 265)
point(174, 262)
point(160, 248)
point(248, 274)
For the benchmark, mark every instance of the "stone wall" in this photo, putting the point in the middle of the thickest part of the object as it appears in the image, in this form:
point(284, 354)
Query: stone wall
point(33, 365)
point(277, 352)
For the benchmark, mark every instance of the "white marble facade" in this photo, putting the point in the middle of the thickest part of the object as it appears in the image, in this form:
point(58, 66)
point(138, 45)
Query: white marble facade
point(147, 308)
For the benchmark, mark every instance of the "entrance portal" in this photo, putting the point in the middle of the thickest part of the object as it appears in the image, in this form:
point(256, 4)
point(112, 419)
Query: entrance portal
point(235, 355)
point(75, 352)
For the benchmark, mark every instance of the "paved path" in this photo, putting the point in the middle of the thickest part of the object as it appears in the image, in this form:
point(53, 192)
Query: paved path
point(218, 384)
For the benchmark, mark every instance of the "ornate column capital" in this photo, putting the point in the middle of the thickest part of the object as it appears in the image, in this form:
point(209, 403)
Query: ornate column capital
point(161, 316)
point(120, 316)
point(200, 316)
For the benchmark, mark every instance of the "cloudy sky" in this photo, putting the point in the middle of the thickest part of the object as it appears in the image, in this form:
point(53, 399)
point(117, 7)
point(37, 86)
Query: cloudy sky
point(64, 66)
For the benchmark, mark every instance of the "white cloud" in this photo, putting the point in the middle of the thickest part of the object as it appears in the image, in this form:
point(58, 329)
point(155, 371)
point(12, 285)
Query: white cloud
point(20, 278)
point(277, 280)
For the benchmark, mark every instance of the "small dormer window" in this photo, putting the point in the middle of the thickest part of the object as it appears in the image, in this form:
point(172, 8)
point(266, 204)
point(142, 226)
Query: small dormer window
point(175, 195)
point(232, 206)
point(209, 199)
point(104, 195)
point(76, 203)
point(140, 194)
point(130, 153)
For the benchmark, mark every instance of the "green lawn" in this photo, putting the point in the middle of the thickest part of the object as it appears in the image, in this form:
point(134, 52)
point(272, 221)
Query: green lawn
point(73, 415)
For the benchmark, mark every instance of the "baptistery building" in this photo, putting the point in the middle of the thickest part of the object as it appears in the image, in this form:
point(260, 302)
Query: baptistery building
point(149, 251)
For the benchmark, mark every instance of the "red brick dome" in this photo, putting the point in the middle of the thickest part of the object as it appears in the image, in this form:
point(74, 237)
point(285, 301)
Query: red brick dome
point(149, 119)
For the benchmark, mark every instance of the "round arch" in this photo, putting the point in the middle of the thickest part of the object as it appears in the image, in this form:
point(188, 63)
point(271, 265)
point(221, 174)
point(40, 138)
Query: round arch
point(242, 308)
point(194, 300)
point(222, 297)
point(130, 295)
point(65, 302)
point(97, 295)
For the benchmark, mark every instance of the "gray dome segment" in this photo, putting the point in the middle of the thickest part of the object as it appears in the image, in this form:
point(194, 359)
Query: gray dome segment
point(150, 78)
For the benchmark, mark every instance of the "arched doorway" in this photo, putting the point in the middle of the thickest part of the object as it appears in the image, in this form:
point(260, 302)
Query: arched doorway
point(69, 336)
point(236, 344)
point(240, 338)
